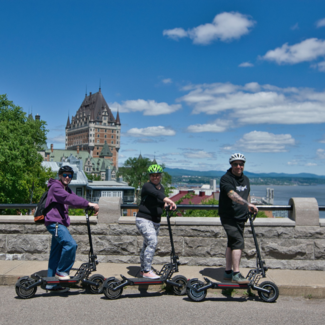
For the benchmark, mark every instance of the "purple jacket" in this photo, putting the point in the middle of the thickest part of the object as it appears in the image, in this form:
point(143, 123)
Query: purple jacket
point(64, 198)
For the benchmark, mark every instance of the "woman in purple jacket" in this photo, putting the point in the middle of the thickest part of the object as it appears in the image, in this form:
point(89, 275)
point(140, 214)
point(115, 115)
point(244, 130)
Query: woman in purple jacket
point(57, 221)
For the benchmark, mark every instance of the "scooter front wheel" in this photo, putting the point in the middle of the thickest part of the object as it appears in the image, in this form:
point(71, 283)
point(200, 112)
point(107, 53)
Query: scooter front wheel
point(99, 279)
point(109, 292)
point(274, 291)
point(23, 283)
point(180, 279)
point(193, 294)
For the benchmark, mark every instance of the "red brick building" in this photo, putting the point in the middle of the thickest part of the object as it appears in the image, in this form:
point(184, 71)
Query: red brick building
point(94, 129)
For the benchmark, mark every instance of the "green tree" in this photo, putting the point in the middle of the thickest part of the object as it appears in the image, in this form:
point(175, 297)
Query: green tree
point(20, 163)
point(135, 172)
point(94, 177)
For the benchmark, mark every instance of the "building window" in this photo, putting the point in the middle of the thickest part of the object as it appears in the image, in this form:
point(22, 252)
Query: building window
point(97, 155)
point(79, 191)
point(112, 142)
point(112, 131)
point(105, 136)
point(98, 130)
point(134, 214)
point(97, 148)
point(117, 137)
point(97, 141)
point(105, 130)
point(97, 135)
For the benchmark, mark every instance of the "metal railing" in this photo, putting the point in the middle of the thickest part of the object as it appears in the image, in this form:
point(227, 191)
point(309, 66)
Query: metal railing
point(180, 207)
point(214, 207)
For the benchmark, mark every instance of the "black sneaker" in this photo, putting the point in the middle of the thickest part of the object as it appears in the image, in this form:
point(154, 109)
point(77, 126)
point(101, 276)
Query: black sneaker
point(238, 278)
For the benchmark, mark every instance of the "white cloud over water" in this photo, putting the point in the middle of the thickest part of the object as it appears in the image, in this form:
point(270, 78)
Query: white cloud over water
point(253, 103)
point(257, 141)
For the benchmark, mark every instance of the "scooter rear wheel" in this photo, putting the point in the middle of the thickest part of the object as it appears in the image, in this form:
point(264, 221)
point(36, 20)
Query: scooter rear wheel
point(193, 294)
point(97, 278)
point(21, 292)
point(274, 291)
point(108, 290)
point(179, 291)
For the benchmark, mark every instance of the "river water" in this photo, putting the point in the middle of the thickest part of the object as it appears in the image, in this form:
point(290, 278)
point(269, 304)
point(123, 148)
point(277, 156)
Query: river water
point(283, 193)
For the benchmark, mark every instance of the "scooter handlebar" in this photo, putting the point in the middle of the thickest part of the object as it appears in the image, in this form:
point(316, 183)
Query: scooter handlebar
point(89, 210)
point(252, 215)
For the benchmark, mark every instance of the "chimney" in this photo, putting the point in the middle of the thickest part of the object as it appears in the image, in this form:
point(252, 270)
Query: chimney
point(108, 174)
point(52, 147)
point(37, 117)
point(77, 150)
point(120, 179)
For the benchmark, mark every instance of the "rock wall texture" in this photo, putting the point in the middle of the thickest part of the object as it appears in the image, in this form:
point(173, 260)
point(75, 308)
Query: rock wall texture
point(289, 247)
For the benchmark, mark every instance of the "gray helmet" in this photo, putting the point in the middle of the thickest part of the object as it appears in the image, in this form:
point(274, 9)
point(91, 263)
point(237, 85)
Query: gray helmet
point(237, 156)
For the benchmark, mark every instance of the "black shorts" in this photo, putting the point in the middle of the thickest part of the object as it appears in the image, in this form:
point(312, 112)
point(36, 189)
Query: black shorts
point(235, 233)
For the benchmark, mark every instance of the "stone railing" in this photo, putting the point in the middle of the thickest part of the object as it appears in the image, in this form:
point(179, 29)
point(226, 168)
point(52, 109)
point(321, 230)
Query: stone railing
point(297, 242)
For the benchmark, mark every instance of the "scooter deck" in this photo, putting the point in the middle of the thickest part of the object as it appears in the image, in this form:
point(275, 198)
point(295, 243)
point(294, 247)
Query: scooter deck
point(54, 280)
point(138, 281)
point(228, 285)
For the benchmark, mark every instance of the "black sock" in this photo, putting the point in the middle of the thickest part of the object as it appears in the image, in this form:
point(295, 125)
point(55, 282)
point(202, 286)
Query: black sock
point(235, 273)
point(228, 272)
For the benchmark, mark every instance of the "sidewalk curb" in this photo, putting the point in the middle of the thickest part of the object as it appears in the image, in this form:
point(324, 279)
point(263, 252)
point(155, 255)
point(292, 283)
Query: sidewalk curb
point(285, 290)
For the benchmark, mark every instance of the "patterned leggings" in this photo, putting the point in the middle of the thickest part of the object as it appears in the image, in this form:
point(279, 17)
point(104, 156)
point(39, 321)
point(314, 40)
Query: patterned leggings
point(149, 230)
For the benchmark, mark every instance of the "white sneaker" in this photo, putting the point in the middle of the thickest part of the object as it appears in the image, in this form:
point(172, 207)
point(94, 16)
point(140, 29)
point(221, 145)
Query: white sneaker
point(62, 275)
point(150, 275)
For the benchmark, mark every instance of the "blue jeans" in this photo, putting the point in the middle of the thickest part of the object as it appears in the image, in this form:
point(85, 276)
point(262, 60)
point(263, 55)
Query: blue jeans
point(63, 250)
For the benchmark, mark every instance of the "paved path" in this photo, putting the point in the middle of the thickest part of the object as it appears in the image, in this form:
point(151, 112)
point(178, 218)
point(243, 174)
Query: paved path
point(76, 307)
point(290, 282)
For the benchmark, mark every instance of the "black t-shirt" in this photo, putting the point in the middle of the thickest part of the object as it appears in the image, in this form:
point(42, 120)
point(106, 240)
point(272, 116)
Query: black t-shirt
point(228, 209)
point(152, 204)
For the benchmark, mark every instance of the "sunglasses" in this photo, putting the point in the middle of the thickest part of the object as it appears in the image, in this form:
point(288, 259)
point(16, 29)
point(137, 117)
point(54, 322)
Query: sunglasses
point(67, 175)
point(238, 164)
point(155, 175)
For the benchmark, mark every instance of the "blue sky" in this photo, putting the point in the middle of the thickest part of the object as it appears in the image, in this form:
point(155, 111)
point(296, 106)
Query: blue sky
point(194, 81)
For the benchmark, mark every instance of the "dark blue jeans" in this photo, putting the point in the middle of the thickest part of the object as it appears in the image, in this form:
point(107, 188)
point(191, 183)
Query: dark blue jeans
point(63, 250)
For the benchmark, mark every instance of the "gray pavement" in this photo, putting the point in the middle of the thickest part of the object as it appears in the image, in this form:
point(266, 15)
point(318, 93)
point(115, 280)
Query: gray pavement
point(76, 307)
point(290, 282)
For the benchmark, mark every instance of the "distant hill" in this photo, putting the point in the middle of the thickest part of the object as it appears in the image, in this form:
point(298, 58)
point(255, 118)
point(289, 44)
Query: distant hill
point(217, 173)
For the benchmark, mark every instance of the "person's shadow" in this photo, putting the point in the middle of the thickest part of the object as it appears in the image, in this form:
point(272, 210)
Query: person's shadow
point(214, 273)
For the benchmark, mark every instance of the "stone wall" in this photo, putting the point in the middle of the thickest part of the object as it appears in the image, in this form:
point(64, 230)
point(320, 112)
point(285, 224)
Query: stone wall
point(198, 241)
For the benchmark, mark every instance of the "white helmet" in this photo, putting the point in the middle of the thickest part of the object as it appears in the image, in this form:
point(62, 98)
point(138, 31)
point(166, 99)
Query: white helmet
point(237, 156)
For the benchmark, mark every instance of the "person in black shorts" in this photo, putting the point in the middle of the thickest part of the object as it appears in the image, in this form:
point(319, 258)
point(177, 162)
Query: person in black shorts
point(233, 208)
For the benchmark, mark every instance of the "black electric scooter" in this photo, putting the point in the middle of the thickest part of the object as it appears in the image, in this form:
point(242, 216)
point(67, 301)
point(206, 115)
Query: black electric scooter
point(267, 290)
point(26, 287)
point(113, 287)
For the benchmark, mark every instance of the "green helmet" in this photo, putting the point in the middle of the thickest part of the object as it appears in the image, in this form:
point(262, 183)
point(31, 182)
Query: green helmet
point(155, 169)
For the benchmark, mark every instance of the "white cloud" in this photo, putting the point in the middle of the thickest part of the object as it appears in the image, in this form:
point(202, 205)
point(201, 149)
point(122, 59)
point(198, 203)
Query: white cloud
point(255, 104)
point(246, 65)
point(167, 81)
point(148, 107)
point(216, 126)
point(320, 153)
point(320, 66)
point(293, 162)
point(151, 131)
point(226, 26)
point(320, 23)
point(310, 164)
point(308, 50)
point(198, 154)
point(258, 141)
point(175, 33)
point(295, 26)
